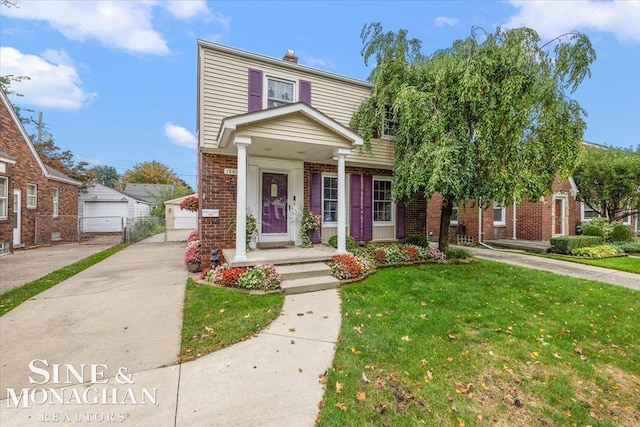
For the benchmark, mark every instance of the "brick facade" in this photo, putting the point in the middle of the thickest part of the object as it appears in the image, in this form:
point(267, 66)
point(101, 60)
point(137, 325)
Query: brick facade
point(535, 220)
point(27, 170)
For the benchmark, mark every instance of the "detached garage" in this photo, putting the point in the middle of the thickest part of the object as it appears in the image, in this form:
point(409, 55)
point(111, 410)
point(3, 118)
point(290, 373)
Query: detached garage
point(177, 218)
point(102, 209)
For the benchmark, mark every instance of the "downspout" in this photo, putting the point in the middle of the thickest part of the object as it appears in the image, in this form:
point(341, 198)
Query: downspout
point(515, 237)
point(480, 221)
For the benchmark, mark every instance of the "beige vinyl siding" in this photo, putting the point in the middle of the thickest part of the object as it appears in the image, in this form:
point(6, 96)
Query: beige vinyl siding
point(224, 93)
point(292, 129)
point(328, 232)
point(384, 232)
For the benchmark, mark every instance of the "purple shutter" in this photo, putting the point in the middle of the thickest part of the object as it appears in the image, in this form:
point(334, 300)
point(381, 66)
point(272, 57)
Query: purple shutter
point(355, 225)
point(367, 208)
point(305, 92)
point(255, 90)
point(400, 221)
point(315, 202)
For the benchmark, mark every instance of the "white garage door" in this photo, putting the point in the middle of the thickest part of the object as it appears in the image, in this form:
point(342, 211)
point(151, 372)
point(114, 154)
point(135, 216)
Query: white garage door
point(185, 220)
point(104, 217)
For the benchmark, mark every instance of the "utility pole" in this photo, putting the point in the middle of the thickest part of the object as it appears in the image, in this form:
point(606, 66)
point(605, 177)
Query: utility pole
point(40, 127)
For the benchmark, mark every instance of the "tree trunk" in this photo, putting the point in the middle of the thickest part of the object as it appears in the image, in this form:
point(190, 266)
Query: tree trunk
point(445, 220)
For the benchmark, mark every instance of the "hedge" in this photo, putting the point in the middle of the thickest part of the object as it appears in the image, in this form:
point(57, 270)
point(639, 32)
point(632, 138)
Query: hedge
point(566, 244)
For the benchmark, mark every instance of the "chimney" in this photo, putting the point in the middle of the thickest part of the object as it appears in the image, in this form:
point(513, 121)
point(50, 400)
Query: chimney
point(290, 56)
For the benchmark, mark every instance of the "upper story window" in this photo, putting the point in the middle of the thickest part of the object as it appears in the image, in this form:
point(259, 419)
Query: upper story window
point(382, 200)
point(390, 125)
point(499, 214)
point(587, 213)
point(279, 92)
point(4, 197)
point(32, 195)
point(56, 201)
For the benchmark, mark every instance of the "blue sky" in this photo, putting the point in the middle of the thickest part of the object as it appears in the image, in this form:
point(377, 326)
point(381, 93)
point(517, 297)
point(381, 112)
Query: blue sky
point(116, 80)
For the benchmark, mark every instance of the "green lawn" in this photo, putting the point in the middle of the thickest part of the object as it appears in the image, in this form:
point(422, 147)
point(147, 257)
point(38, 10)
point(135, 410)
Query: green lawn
point(215, 317)
point(16, 296)
point(630, 263)
point(484, 344)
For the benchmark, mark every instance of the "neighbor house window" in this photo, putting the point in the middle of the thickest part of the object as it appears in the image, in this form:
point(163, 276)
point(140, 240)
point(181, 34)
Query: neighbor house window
point(4, 197)
point(454, 214)
point(56, 200)
point(329, 199)
point(32, 195)
point(499, 214)
point(279, 92)
point(382, 200)
point(587, 213)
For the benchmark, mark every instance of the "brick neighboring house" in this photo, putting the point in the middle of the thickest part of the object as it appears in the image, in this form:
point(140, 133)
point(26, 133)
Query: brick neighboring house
point(557, 214)
point(274, 141)
point(37, 204)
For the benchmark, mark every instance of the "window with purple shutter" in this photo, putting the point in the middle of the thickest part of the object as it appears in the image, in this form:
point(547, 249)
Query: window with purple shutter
point(355, 224)
point(400, 233)
point(304, 94)
point(255, 90)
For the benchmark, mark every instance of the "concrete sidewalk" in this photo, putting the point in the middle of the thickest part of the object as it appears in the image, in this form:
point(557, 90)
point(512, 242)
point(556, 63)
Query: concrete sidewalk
point(122, 318)
point(580, 271)
point(25, 265)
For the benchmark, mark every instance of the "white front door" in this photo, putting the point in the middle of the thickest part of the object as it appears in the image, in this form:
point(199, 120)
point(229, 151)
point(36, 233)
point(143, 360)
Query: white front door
point(16, 217)
point(559, 217)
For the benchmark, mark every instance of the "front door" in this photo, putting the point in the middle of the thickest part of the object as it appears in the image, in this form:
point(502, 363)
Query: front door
point(275, 205)
point(16, 217)
point(559, 218)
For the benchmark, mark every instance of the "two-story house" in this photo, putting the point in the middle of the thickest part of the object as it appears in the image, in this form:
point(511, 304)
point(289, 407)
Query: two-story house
point(38, 204)
point(274, 141)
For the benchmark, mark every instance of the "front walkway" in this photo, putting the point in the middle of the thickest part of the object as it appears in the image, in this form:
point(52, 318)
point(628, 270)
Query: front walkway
point(580, 271)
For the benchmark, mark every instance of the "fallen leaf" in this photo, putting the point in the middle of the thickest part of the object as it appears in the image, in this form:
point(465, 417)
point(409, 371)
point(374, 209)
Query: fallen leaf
point(423, 316)
point(355, 351)
point(361, 396)
point(479, 417)
point(222, 310)
point(365, 379)
point(423, 303)
point(454, 409)
point(424, 362)
point(406, 338)
point(310, 312)
point(449, 398)
point(461, 388)
point(341, 406)
point(196, 410)
point(453, 337)
point(557, 356)
point(322, 378)
point(429, 375)
point(325, 317)
point(379, 382)
point(358, 329)
point(339, 387)
point(461, 422)
point(583, 357)
point(578, 350)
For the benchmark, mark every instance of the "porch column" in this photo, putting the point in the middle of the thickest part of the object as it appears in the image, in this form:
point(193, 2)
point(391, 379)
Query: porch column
point(342, 201)
point(241, 142)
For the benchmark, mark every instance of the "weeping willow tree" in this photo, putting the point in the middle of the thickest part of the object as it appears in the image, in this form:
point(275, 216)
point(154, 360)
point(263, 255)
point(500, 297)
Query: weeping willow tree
point(489, 118)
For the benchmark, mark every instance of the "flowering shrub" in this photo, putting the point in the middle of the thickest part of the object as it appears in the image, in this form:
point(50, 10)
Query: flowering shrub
point(193, 236)
point(431, 254)
point(380, 255)
point(190, 203)
point(231, 275)
point(204, 273)
point(413, 252)
point(310, 221)
point(192, 252)
point(345, 266)
point(264, 277)
point(396, 254)
point(599, 251)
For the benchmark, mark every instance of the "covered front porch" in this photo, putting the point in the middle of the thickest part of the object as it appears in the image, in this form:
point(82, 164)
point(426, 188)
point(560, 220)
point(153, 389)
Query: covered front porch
point(280, 256)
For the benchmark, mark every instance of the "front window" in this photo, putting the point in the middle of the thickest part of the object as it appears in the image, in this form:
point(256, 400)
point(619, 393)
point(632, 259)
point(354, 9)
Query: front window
point(390, 125)
point(588, 214)
point(330, 199)
point(56, 199)
point(4, 197)
point(32, 195)
point(454, 214)
point(279, 92)
point(499, 214)
point(381, 200)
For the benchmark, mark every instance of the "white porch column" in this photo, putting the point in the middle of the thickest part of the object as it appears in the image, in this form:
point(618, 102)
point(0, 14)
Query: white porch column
point(342, 201)
point(241, 142)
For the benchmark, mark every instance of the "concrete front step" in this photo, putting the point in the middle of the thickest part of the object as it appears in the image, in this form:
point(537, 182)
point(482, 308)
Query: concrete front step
point(309, 284)
point(301, 271)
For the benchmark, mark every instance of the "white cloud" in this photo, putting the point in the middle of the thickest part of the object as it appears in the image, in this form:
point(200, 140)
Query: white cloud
point(118, 24)
point(180, 136)
point(54, 81)
point(553, 18)
point(318, 62)
point(189, 9)
point(441, 21)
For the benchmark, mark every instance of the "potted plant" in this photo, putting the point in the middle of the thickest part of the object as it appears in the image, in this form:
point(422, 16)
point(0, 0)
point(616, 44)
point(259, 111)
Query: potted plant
point(190, 203)
point(308, 225)
point(252, 229)
point(192, 257)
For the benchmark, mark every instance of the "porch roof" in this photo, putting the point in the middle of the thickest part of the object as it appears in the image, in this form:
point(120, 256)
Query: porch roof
point(294, 131)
